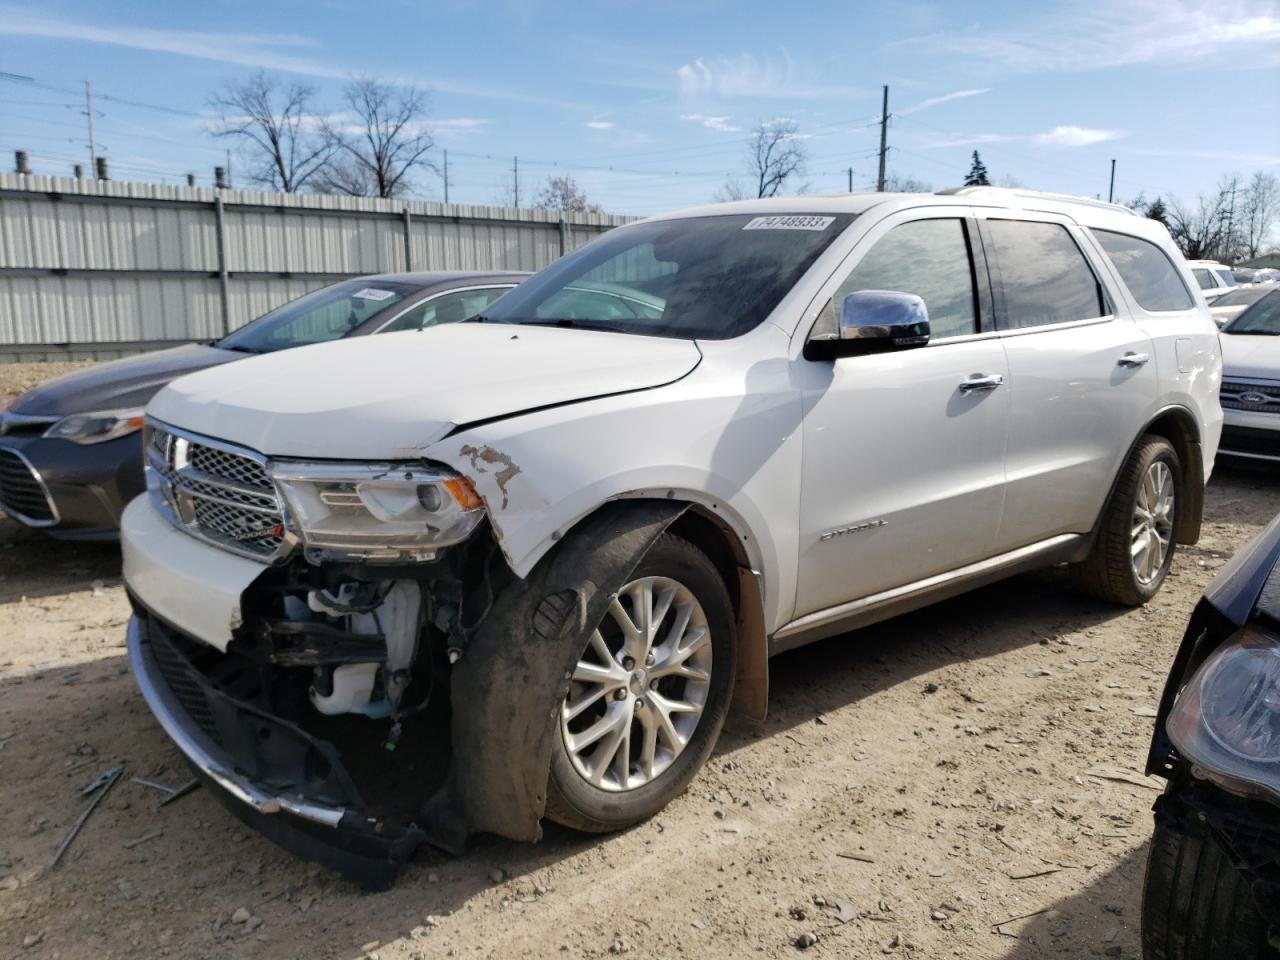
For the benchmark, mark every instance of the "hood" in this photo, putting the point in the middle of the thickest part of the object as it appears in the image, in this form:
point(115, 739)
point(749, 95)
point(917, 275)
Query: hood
point(388, 397)
point(118, 384)
point(1246, 357)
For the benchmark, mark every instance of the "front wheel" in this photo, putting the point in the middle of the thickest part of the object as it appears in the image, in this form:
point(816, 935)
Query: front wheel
point(648, 696)
point(1195, 905)
point(1135, 543)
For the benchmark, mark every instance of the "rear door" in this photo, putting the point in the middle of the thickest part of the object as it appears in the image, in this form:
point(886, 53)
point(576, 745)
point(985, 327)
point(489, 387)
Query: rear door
point(1187, 348)
point(1082, 380)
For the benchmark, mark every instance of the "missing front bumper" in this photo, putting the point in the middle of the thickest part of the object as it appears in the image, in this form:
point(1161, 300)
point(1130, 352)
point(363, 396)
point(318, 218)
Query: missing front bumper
point(277, 778)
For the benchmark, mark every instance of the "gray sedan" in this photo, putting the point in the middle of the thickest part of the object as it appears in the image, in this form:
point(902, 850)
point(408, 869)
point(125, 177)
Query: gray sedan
point(70, 450)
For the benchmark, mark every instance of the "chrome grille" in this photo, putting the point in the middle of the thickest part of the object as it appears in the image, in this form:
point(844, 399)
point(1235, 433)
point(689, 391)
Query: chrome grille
point(216, 492)
point(22, 494)
point(1255, 397)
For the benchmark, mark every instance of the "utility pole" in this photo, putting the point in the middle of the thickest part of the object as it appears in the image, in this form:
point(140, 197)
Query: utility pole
point(1111, 192)
point(88, 112)
point(446, 176)
point(228, 169)
point(884, 137)
point(515, 179)
point(851, 179)
point(1231, 224)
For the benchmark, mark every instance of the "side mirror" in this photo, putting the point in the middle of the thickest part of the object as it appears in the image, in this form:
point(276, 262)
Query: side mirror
point(875, 321)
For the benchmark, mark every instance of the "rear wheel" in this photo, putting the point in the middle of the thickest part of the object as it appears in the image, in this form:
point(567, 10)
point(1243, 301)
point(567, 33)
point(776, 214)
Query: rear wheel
point(1136, 540)
point(649, 693)
point(1196, 905)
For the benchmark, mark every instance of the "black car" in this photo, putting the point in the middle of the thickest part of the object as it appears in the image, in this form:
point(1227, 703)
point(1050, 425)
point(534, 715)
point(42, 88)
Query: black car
point(1213, 877)
point(71, 450)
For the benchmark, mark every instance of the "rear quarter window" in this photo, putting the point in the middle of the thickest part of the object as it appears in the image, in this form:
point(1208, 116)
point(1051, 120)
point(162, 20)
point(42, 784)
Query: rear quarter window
point(1147, 271)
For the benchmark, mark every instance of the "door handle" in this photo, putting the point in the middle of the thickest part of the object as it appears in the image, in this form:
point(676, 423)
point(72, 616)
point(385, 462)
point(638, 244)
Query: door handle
point(979, 382)
point(1134, 360)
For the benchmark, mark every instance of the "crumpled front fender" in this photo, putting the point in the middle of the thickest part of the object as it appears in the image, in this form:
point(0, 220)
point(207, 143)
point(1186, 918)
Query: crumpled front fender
point(514, 671)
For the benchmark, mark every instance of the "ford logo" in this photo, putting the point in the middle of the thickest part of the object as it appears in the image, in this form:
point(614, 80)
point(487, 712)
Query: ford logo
point(1254, 398)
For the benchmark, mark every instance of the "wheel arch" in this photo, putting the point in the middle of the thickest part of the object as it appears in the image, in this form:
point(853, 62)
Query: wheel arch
point(1178, 425)
point(705, 525)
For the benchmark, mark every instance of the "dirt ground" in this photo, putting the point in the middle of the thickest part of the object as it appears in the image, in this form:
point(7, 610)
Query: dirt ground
point(918, 787)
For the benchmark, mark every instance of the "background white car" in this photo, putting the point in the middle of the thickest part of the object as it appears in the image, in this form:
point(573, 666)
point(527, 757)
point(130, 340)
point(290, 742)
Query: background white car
point(1213, 278)
point(1251, 381)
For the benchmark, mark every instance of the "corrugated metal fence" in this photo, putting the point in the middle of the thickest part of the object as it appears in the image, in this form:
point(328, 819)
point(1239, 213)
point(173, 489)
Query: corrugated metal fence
point(92, 268)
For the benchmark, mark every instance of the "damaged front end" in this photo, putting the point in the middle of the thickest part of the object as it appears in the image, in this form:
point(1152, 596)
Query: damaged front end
point(374, 686)
point(329, 705)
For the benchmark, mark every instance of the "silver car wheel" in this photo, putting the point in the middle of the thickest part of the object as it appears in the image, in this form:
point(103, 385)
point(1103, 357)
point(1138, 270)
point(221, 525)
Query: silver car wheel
point(640, 686)
point(1152, 522)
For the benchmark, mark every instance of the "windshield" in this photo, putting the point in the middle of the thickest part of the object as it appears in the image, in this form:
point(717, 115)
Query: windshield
point(325, 314)
point(1241, 298)
point(1262, 319)
point(702, 277)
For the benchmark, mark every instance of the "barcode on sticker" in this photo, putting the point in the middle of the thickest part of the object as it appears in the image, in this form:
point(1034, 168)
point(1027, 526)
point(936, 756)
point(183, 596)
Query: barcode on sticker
point(792, 222)
point(373, 293)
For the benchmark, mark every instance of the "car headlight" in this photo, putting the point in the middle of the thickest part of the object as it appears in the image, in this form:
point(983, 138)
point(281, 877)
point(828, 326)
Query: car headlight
point(382, 512)
point(96, 427)
point(1226, 720)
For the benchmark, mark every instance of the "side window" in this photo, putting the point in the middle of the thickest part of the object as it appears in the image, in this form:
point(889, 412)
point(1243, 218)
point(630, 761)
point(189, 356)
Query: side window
point(1146, 270)
point(446, 308)
point(1203, 277)
point(929, 258)
point(1043, 276)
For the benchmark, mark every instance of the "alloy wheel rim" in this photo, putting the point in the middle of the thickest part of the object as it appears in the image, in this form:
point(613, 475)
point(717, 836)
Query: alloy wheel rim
point(638, 690)
point(1152, 528)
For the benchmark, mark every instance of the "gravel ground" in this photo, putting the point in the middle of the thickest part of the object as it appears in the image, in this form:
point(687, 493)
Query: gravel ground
point(917, 788)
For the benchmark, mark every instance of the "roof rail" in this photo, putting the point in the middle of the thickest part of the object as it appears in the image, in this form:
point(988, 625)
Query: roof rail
point(980, 191)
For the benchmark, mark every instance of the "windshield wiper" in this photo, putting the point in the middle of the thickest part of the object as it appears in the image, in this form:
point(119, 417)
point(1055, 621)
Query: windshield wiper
point(240, 349)
point(569, 323)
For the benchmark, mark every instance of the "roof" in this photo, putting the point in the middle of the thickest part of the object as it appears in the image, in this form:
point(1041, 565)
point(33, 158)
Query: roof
point(432, 278)
point(1084, 210)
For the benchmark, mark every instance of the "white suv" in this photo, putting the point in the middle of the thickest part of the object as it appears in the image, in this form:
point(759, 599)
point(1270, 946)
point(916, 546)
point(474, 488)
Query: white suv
point(1213, 278)
point(425, 584)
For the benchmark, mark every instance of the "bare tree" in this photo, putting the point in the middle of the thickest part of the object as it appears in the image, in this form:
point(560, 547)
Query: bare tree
point(275, 128)
point(1200, 230)
point(563, 193)
point(775, 156)
point(899, 184)
point(382, 143)
point(1259, 210)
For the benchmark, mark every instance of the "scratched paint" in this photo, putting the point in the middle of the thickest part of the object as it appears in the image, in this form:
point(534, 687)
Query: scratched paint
point(492, 458)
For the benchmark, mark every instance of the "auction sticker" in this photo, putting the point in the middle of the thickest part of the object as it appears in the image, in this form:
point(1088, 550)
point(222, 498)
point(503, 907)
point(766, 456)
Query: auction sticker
point(792, 222)
point(373, 293)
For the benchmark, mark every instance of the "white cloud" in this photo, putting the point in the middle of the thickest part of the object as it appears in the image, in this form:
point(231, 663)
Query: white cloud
point(600, 124)
point(1069, 136)
point(945, 98)
point(460, 123)
point(747, 75)
point(1112, 33)
point(711, 123)
point(1062, 135)
point(284, 52)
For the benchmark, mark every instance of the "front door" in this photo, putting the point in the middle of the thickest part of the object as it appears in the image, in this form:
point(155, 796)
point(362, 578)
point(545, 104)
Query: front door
point(903, 456)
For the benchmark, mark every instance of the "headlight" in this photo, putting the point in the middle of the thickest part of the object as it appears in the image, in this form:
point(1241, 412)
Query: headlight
point(378, 512)
point(1226, 720)
point(96, 427)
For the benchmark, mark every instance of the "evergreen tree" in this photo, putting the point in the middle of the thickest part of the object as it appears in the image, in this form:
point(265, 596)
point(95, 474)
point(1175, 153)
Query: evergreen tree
point(1156, 211)
point(977, 176)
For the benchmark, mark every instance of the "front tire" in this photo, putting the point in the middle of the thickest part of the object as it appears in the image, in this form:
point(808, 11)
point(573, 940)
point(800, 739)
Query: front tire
point(1195, 905)
point(649, 695)
point(1139, 529)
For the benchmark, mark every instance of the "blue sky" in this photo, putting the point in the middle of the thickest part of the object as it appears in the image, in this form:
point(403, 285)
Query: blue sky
point(647, 104)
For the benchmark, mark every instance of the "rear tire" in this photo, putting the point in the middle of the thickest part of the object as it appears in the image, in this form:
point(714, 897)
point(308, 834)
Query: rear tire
point(633, 786)
point(1195, 905)
point(1138, 532)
